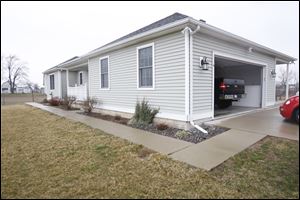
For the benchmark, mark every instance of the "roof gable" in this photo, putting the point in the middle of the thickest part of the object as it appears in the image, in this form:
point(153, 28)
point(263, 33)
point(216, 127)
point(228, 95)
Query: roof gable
point(167, 20)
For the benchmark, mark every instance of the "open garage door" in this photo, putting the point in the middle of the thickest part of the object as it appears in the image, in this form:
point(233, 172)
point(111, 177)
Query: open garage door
point(238, 86)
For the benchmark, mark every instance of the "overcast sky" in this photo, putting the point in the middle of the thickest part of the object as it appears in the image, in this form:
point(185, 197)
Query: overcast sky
point(46, 33)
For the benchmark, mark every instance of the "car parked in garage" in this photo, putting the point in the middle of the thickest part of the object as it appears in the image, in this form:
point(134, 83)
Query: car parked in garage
point(227, 91)
point(290, 108)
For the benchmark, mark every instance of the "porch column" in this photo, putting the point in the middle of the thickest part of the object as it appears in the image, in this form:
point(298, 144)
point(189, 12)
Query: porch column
point(67, 75)
point(59, 84)
point(287, 81)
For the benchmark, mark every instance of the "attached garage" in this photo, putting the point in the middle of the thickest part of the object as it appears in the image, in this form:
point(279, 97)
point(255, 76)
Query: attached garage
point(251, 77)
point(231, 57)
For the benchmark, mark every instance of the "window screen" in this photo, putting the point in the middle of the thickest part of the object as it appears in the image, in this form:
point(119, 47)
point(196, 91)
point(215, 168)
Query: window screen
point(104, 73)
point(145, 67)
point(80, 78)
point(52, 82)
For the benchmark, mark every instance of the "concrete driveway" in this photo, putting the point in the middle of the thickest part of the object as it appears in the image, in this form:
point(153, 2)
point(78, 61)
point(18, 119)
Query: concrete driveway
point(267, 122)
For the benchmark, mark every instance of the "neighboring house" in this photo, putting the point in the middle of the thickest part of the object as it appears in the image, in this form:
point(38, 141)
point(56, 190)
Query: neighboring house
point(5, 88)
point(23, 89)
point(162, 63)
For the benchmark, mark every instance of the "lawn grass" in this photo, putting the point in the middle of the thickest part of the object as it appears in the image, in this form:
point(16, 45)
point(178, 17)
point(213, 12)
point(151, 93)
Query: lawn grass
point(46, 156)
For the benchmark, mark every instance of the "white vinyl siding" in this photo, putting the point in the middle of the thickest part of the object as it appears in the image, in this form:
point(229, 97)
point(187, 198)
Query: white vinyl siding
point(169, 78)
point(145, 66)
point(55, 92)
point(204, 45)
point(104, 72)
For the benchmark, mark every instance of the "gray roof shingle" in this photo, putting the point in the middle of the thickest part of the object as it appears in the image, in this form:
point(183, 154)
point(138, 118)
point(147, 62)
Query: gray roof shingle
point(50, 69)
point(170, 19)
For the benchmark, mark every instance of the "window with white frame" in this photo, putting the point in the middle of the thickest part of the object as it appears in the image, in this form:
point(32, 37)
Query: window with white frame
point(52, 82)
point(104, 72)
point(80, 78)
point(145, 67)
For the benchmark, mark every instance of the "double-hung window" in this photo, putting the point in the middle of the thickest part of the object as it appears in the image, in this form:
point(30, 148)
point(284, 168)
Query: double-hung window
point(145, 66)
point(52, 82)
point(104, 76)
point(80, 78)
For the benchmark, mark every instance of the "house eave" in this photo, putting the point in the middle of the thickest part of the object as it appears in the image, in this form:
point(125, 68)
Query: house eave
point(214, 31)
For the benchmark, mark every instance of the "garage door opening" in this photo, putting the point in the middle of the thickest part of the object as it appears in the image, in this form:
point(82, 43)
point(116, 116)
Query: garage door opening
point(238, 86)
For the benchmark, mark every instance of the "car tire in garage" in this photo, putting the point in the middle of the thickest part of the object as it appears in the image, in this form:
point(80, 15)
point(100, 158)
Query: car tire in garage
point(224, 104)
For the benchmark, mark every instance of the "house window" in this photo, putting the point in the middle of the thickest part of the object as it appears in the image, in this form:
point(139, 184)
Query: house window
point(145, 66)
point(80, 78)
point(52, 82)
point(104, 72)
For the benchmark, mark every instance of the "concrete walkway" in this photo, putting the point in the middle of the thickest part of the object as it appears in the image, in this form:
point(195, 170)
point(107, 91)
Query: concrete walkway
point(205, 155)
point(214, 151)
point(265, 122)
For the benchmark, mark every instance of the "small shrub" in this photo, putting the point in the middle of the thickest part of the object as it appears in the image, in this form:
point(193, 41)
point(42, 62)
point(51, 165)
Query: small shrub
point(118, 117)
point(89, 104)
point(107, 117)
point(123, 121)
point(162, 126)
point(55, 101)
point(45, 100)
point(182, 134)
point(144, 114)
point(68, 101)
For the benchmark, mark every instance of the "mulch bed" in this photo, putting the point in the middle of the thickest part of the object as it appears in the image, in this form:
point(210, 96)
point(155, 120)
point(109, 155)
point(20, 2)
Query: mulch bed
point(193, 135)
point(60, 106)
point(117, 119)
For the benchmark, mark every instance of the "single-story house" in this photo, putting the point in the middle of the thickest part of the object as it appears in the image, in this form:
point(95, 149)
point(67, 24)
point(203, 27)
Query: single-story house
point(5, 88)
point(162, 62)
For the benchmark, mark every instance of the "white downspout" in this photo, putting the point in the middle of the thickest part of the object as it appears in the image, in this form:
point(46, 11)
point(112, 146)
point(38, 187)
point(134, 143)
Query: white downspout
point(188, 38)
point(186, 31)
point(196, 30)
point(198, 127)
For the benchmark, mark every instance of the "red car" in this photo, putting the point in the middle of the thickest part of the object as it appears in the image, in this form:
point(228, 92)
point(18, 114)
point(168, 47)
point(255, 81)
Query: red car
point(290, 108)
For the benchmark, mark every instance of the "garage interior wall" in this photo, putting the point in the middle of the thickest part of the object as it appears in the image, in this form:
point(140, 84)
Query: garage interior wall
point(251, 75)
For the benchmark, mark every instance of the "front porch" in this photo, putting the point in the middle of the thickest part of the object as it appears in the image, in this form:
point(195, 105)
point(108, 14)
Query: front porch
point(77, 82)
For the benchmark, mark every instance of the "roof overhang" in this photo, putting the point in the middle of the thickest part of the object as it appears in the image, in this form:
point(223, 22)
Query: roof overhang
point(224, 35)
point(179, 25)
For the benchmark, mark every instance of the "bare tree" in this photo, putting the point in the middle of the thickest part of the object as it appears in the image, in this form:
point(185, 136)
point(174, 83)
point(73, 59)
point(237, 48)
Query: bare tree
point(30, 85)
point(36, 88)
point(2, 68)
point(282, 76)
point(15, 69)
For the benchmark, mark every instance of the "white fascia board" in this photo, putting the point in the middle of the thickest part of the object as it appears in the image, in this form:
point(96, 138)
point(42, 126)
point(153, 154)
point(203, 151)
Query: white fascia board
point(210, 28)
point(177, 23)
point(244, 41)
point(52, 70)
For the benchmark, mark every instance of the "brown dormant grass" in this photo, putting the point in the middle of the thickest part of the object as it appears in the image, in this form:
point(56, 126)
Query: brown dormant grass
point(46, 156)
